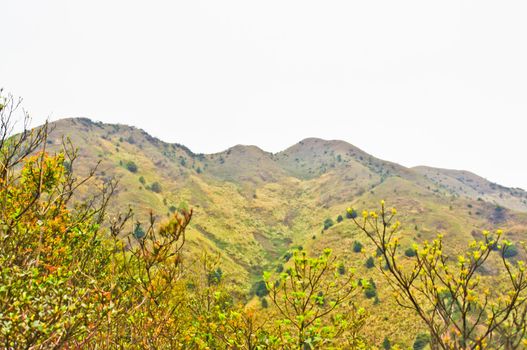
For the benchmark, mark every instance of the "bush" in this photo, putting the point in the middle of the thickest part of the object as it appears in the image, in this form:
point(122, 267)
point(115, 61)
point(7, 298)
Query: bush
point(410, 252)
point(155, 187)
point(142, 180)
point(378, 252)
point(370, 292)
point(357, 246)
point(510, 251)
point(421, 341)
point(386, 345)
point(341, 269)
point(264, 303)
point(214, 277)
point(139, 233)
point(370, 262)
point(351, 214)
point(131, 166)
point(340, 218)
point(260, 289)
point(328, 223)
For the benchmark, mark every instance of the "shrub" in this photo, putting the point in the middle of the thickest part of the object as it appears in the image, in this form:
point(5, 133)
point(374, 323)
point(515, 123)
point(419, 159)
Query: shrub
point(214, 276)
point(142, 180)
point(410, 252)
point(260, 289)
point(351, 214)
point(264, 303)
point(131, 166)
point(386, 345)
point(370, 292)
point(139, 233)
point(510, 251)
point(357, 246)
point(421, 341)
point(155, 187)
point(314, 284)
point(370, 262)
point(417, 281)
point(340, 218)
point(328, 223)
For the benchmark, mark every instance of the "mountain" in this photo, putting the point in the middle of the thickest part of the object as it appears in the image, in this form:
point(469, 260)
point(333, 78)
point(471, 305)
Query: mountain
point(252, 206)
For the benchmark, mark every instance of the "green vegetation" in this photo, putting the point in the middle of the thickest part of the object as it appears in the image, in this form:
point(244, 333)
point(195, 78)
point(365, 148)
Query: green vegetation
point(73, 278)
point(131, 166)
point(370, 262)
point(511, 250)
point(308, 286)
point(448, 296)
point(357, 246)
point(370, 289)
point(410, 252)
point(421, 341)
point(386, 344)
point(155, 187)
point(131, 284)
point(328, 223)
point(351, 214)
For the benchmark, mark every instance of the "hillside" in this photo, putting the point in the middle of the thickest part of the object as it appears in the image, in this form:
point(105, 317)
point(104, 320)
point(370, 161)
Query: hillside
point(253, 206)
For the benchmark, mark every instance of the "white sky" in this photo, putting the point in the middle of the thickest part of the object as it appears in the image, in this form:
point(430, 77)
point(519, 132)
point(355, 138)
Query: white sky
point(441, 83)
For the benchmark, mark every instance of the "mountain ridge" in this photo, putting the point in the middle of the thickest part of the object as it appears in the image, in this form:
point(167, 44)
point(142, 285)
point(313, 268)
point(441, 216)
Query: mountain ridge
point(252, 207)
point(300, 147)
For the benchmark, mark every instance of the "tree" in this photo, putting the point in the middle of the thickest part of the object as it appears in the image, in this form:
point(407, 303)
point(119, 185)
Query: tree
point(65, 281)
point(448, 295)
point(311, 297)
point(47, 239)
point(147, 270)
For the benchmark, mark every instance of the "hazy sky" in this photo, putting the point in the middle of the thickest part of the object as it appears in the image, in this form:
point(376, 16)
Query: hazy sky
point(440, 83)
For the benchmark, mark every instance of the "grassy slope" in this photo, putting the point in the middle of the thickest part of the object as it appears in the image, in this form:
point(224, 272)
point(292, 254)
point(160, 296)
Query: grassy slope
point(252, 206)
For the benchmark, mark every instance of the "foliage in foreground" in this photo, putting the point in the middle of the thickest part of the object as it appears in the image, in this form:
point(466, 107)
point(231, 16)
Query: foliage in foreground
point(71, 277)
point(449, 294)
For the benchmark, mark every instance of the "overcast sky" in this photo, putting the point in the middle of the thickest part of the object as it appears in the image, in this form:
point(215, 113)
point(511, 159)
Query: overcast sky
point(439, 83)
